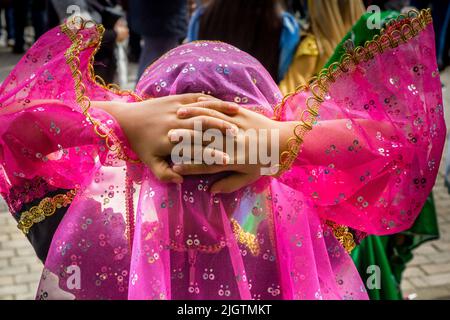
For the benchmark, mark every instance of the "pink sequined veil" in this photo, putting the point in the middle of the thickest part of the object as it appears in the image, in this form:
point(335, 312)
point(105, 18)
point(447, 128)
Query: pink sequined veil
point(368, 163)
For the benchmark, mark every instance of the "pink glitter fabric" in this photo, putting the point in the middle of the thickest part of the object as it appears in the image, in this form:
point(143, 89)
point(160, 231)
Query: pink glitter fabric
point(368, 163)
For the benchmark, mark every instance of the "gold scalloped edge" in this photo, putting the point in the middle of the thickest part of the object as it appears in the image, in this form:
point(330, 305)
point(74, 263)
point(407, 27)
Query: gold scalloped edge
point(397, 31)
point(72, 56)
point(46, 208)
point(343, 235)
point(247, 239)
point(210, 249)
point(96, 79)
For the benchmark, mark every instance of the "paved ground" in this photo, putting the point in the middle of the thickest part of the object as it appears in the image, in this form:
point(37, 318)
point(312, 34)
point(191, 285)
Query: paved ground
point(19, 268)
point(427, 276)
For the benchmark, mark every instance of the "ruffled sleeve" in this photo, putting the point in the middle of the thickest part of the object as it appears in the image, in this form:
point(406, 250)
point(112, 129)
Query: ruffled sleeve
point(47, 131)
point(373, 131)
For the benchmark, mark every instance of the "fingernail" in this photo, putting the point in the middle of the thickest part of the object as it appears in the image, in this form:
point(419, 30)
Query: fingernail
point(173, 135)
point(176, 168)
point(182, 112)
point(233, 130)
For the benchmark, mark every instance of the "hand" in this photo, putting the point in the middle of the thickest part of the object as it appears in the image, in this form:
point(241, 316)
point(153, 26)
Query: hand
point(192, 5)
point(121, 29)
point(147, 124)
point(245, 172)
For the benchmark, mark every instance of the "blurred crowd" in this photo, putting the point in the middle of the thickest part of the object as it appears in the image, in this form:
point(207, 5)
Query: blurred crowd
point(300, 35)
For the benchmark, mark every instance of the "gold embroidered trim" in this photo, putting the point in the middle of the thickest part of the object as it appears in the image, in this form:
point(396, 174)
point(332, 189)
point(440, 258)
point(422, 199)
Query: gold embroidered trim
point(96, 79)
point(343, 235)
point(246, 238)
point(211, 249)
point(129, 209)
point(181, 247)
point(399, 30)
point(45, 208)
point(73, 61)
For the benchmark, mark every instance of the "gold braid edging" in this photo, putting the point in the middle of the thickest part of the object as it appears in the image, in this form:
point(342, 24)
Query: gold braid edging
point(343, 235)
point(72, 56)
point(399, 30)
point(246, 238)
point(47, 207)
point(96, 79)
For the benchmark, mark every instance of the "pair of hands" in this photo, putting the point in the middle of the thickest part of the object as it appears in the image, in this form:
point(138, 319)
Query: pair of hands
point(152, 126)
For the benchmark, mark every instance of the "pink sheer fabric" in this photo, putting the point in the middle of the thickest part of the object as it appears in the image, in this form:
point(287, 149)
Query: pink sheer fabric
point(369, 163)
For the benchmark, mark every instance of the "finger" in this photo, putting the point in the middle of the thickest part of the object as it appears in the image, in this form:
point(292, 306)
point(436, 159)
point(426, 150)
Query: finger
point(195, 137)
point(207, 97)
point(196, 169)
point(163, 172)
point(202, 123)
point(209, 107)
point(208, 156)
point(233, 183)
point(188, 98)
point(198, 109)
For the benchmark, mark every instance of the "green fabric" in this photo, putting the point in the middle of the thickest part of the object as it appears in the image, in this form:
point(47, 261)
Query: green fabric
point(371, 251)
point(392, 253)
point(389, 253)
point(359, 34)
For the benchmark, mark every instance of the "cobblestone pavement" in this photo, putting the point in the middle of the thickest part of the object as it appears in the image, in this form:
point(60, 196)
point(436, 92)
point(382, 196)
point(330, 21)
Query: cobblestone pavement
point(19, 268)
point(427, 276)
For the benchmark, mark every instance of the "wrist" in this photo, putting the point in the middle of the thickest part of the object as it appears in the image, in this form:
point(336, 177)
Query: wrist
point(117, 132)
point(286, 132)
point(287, 140)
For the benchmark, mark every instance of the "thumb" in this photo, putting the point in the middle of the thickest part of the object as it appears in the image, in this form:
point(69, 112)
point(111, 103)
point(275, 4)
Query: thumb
point(163, 171)
point(233, 183)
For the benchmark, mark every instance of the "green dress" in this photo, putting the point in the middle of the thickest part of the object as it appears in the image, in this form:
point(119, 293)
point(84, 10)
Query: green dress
point(389, 253)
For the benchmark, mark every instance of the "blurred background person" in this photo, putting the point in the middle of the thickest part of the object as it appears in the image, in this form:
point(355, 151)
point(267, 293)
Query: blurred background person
point(162, 26)
point(134, 40)
point(110, 15)
point(22, 11)
point(326, 24)
point(6, 23)
point(265, 30)
point(441, 22)
point(292, 50)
